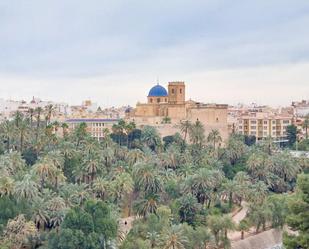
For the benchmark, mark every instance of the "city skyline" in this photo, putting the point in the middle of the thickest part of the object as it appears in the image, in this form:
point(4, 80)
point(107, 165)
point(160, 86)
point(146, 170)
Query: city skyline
point(225, 52)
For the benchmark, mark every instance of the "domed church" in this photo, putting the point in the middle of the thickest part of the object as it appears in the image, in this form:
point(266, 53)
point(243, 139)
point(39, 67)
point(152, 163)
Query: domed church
point(164, 103)
point(171, 103)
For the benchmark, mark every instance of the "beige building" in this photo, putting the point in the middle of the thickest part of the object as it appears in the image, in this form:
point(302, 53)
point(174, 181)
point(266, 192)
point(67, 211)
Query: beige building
point(167, 108)
point(95, 126)
point(263, 125)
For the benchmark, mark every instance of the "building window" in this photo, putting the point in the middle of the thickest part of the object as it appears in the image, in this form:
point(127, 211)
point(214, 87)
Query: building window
point(265, 127)
point(180, 90)
point(173, 91)
point(150, 100)
point(158, 100)
point(253, 127)
point(265, 122)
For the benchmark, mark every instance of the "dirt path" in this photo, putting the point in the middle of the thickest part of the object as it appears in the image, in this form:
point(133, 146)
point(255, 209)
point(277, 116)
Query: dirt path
point(237, 218)
point(241, 214)
point(125, 225)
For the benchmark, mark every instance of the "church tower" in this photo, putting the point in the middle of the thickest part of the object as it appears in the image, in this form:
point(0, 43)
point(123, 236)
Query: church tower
point(176, 92)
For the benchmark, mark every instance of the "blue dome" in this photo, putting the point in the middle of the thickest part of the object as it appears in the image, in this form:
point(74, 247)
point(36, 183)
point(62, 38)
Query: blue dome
point(157, 91)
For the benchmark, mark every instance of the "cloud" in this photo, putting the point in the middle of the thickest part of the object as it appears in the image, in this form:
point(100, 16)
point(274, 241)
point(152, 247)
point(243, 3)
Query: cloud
point(114, 51)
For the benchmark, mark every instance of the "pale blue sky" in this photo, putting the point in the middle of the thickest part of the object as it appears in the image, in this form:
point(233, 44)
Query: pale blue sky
point(114, 51)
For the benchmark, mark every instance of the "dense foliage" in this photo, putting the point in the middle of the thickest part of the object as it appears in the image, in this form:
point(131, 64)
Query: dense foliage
point(68, 190)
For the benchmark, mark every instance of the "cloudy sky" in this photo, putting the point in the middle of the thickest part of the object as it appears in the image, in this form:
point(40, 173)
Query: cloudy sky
point(227, 51)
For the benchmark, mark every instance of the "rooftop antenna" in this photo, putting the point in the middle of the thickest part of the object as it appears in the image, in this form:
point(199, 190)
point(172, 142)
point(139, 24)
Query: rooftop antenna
point(157, 80)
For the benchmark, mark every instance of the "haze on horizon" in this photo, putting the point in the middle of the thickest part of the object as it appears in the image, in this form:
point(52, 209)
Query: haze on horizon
point(113, 52)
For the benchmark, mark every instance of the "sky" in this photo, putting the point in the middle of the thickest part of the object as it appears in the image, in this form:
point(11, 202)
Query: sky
point(113, 52)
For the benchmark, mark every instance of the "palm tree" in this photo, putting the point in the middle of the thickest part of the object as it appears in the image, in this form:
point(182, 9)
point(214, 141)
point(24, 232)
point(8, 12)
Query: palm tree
point(148, 205)
point(185, 127)
point(188, 208)
point(67, 149)
point(38, 112)
point(284, 166)
point(31, 114)
point(259, 165)
point(259, 215)
point(230, 189)
point(44, 169)
point(174, 238)
point(204, 184)
point(147, 178)
point(135, 156)
point(227, 225)
point(23, 129)
point(197, 133)
point(56, 218)
point(50, 110)
point(13, 163)
point(151, 138)
point(65, 128)
point(258, 193)
point(235, 149)
point(80, 194)
point(243, 227)
point(39, 213)
point(172, 156)
point(154, 238)
point(243, 182)
point(129, 128)
point(18, 117)
point(58, 178)
point(7, 132)
point(56, 158)
point(268, 145)
point(56, 204)
point(80, 133)
point(26, 188)
point(6, 186)
point(101, 187)
point(214, 137)
point(91, 167)
point(122, 186)
point(220, 225)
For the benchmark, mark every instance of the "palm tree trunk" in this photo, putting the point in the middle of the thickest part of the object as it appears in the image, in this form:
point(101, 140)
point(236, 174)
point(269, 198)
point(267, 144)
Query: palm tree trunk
point(208, 206)
point(8, 144)
point(230, 199)
point(21, 142)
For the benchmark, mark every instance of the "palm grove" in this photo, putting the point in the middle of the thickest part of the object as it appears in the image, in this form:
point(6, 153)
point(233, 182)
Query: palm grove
point(68, 191)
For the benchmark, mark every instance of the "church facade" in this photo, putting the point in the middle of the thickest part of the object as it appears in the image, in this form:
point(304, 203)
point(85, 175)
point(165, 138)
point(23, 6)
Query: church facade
point(167, 108)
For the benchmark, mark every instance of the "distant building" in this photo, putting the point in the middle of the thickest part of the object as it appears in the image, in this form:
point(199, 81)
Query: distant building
point(301, 109)
point(263, 125)
point(95, 126)
point(162, 104)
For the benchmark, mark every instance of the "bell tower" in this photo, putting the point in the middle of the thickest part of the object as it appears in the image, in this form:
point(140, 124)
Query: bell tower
point(176, 92)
